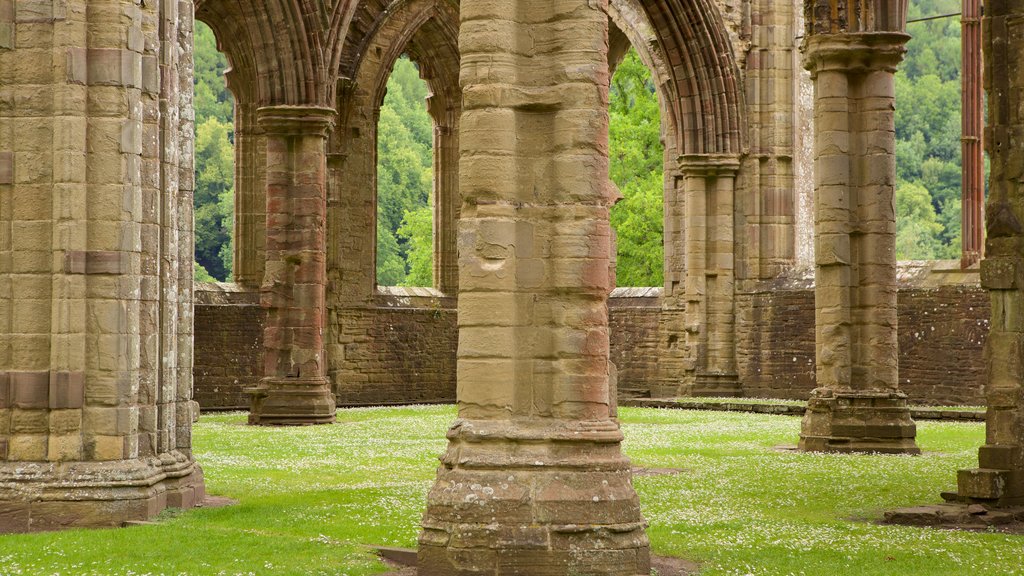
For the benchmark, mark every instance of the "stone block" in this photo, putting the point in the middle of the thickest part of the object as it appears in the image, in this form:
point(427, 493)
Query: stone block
point(29, 422)
point(27, 448)
point(106, 447)
point(982, 483)
point(76, 66)
point(111, 67)
point(30, 390)
point(6, 167)
point(67, 390)
point(999, 274)
point(64, 448)
point(5, 390)
point(7, 35)
point(96, 262)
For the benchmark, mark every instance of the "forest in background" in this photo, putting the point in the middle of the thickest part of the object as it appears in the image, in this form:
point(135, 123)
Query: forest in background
point(928, 155)
point(927, 150)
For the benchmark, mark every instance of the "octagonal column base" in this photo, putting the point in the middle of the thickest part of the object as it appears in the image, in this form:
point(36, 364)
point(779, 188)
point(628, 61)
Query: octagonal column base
point(292, 402)
point(44, 496)
point(533, 499)
point(858, 422)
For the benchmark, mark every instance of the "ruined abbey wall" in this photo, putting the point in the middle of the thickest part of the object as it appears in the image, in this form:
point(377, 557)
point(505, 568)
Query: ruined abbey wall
point(404, 349)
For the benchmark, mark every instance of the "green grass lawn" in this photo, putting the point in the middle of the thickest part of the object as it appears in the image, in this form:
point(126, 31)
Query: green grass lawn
point(311, 498)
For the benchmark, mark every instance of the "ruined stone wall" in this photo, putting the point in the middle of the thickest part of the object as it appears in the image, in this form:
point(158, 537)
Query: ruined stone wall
point(633, 316)
point(228, 344)
point(400, 350)
point(403, 349)
point(943, 323)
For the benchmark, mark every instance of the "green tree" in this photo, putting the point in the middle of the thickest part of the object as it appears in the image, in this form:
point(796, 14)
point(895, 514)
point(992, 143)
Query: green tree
point(636, 158)
point(417, 230)
point(214, 194)
point(212, 99)
point(928, 135)
point(214, 197)
point(917, 238)
point(404, 181)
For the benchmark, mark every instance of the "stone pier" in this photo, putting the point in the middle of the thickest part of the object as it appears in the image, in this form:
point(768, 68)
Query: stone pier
point(534, 480)
point(95, 263)
point(294, 390)
point(999, 479)
point(852, 50)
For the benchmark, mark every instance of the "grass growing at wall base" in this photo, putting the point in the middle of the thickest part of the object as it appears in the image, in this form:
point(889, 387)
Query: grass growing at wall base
point(311, 498)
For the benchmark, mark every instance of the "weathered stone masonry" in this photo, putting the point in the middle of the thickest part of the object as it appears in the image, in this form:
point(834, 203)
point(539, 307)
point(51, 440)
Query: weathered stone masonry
point(733, 121)
point(95, 262)
point(534, 479)
point(852, 50)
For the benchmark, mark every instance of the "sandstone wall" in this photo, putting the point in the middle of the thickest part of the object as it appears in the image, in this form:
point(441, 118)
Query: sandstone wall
point(402, 349)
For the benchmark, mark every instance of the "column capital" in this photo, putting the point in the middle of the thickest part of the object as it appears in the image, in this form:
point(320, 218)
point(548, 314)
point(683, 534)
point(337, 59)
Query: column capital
point(704, 165)
point(853, 52)
point(296, 120)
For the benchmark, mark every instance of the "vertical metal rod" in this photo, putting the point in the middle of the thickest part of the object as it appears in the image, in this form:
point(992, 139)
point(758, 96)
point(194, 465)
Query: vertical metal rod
point(973, 191)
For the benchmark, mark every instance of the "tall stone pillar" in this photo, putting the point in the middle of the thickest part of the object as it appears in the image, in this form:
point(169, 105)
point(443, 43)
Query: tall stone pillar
point(294, 389)
point(857, 406)
point(534, 480)
point(1000, 475)
point(697, 330)
point(95, 222)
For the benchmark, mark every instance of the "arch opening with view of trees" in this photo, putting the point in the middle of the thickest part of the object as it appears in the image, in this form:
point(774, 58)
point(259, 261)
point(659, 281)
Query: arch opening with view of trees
point(405, 198)
point(929, 160)
point(636, 166)
point(214, 199)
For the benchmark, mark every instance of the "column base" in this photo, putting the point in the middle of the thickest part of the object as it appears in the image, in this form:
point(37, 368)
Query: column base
point(292, 402)
point(710, 385)
point(998, 480)
point(858, 422)
point(42, 496)
point(539, 498)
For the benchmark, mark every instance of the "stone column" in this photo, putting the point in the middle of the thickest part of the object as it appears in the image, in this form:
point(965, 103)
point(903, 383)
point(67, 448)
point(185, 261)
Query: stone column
point(857, 406)
point(1000, 476)
point(95, 410)
point(697, 330)
point(710, 272)
point(534, 480)
point(294, 389)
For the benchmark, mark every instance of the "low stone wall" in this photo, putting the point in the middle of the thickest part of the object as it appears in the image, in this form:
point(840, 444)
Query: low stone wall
point(943, 323)
point(401, 349)
point(228, 345)
point(633, 315)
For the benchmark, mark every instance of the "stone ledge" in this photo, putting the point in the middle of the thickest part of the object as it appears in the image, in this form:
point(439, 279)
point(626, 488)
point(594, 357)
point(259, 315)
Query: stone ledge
point(38, 496)
point(785, 409)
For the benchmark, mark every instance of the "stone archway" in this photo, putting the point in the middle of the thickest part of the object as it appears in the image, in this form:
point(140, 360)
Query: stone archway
point(693, 60)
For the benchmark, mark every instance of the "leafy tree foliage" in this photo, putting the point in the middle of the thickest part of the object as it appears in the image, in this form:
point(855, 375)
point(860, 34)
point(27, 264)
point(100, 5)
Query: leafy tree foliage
point(214, 197)
point(928, 154)
point(636, 157)
point(405, 137)
point(215, 160)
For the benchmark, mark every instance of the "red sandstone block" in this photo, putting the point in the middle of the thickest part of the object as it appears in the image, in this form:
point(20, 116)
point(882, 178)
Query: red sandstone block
point(30, 390)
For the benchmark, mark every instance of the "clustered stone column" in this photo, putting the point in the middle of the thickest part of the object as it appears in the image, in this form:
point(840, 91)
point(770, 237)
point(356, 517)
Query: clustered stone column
point(534, 480)
point(294, 389)
point(1000, 476)
point(697, 328)
point(95, 263)
point(710, 185)
point(857, 406)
